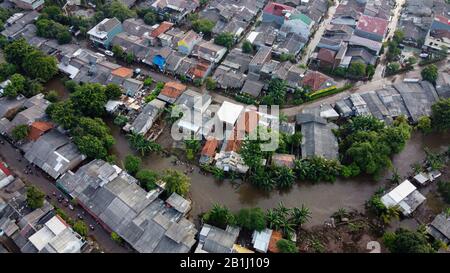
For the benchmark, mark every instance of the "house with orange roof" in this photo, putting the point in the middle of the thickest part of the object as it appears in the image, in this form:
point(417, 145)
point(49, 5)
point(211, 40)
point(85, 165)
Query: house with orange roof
point(209, 151)
point(171, 92)
point(317, 81)
point(38, 128)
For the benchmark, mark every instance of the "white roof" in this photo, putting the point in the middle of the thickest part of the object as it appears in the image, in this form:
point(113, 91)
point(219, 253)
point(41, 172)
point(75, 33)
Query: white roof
point(421, 178)
point(252, 36)
point(112, 105)
point(261, 240)
point(229, 112)
point(395, 196)
point(56, 225)
point(71, 70)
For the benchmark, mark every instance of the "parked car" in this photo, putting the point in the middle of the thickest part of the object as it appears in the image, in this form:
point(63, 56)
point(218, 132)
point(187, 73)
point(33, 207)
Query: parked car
point(71, 207)
point(109, 53)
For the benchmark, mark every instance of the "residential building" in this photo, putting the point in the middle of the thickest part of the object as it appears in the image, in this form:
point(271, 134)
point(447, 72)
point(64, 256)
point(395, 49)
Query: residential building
point(143, 220)
point(54, 153)
point(405, 196)
point(216, 240)
point(317, 81)
point(29, 4)
point(318, 137)
point(171, 92)
point(56, 236)
point(210, 52)
point(263, 55)
point(103, 33)
point(208, 151)
point(372, 28)
point(187, 43)
point(176, 10)
point(274, 12)
point(440, 228)
point(150, 113)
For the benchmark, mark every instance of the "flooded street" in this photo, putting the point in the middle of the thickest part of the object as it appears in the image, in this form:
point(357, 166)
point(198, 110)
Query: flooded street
point(322, 198)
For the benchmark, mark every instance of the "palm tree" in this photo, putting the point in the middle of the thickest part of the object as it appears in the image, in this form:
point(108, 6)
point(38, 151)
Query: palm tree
point(389, 213)
point(395, 178)
point(300, 216)
point(142, 145)
point(274, 221)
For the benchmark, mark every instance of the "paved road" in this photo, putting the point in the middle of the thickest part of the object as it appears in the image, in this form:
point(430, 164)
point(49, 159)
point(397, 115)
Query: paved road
point(392, 27)
point(17, 164)
point(319, 33)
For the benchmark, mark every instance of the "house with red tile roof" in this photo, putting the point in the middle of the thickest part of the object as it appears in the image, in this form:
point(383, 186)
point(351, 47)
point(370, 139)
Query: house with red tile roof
point(326, 58)
point(38, 128)
point(317, 80)
point(274, 12)
point(372, 28)
point(171, 92)
point(209, 150)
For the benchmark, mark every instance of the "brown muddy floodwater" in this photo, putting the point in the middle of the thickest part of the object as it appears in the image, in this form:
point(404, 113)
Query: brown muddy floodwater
point(57, 84)
point(323, 199)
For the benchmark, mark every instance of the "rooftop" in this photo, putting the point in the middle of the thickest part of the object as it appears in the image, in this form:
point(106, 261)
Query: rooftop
point(372, 24)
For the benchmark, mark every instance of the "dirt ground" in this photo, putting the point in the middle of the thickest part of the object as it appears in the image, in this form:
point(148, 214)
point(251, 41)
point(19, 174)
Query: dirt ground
point(351, 233)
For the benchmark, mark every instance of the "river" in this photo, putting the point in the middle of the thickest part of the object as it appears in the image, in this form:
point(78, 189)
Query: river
point(323, 199)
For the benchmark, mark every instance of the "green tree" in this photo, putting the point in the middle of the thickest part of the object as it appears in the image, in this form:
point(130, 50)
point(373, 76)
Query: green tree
point(139, 143)
point(121, 120)
point(148, 81)
point(16, 51)
point(225, 39)
point(52, 96)
point(116, 238)
point(247, 47)
point(176, 181)
point(113, 91)
point(81, 228)
point(147, 179)
point(20, 132)
point(6, 70)
point(35, 197)
point(276, 94)
point(150, 18)
point(89, 99)
point(219, 216)
point(284, 177)
point(204, 26)
point(286, 246)
point(399, 35)
point(15, 87)
point(118, 10)
point(132, 164)
point(440, 116)
point(424, 125)
point(430, 73)
point(357, 69)
point(210, 83)
point(263, 179)
point(32, 87)
point(406, 241)
point(91, 146)
point(39, 66)
point(63, 113)
point(71, 85)
point(300, 216)
point(370, 71)
point(316, 169)
point(251, 219)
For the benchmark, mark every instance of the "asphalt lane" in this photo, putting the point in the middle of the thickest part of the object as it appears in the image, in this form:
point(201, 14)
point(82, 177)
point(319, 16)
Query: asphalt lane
point(18, 165)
